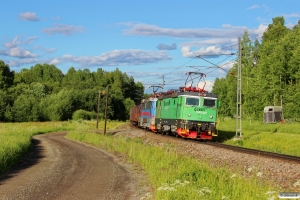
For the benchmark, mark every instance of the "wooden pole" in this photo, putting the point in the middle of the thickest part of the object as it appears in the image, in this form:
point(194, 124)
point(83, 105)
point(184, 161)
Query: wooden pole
point(98, 110)
point(106, 110)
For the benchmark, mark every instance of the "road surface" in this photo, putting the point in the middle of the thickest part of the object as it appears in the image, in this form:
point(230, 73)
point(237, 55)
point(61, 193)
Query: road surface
point(58, 168)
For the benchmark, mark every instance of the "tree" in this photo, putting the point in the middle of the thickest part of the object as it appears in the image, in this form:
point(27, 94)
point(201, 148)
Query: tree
point(26, 109)
point(6, 76)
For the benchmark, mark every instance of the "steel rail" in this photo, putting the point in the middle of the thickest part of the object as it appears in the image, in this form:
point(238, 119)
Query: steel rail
point(255, 152)
point(242, 149)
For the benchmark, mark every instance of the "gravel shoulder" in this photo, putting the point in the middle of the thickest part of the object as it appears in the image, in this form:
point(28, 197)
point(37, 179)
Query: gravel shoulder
point(58, 168)
point(282, 173)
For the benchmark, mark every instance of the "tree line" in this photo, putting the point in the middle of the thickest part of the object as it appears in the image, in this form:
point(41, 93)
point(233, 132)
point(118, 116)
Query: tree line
point(270, 74)
point(44, 93)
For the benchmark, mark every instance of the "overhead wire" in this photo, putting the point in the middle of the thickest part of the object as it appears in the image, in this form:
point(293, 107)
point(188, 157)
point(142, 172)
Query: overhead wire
point(207, 54)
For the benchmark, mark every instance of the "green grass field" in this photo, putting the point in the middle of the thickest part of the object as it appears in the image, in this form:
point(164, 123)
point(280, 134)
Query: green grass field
point(278, 138)
point(172, 175)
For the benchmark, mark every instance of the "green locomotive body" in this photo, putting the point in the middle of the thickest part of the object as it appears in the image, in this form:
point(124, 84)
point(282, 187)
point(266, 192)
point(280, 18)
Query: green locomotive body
point(187, 114)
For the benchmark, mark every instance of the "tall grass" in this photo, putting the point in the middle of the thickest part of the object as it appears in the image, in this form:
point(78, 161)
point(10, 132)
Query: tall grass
point(15, 138)
point(279, 138)
point(174, 176)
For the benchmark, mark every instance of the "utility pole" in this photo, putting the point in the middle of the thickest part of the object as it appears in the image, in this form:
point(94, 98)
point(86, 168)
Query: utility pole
point(98, 110)
point(106, 105)
point(163, 83)
point(238, 129)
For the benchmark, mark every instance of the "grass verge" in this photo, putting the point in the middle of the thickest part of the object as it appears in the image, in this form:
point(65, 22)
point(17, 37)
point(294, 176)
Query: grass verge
point(174, 176)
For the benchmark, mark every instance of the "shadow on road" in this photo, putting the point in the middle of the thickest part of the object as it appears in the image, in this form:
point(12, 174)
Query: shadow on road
point(32, 157)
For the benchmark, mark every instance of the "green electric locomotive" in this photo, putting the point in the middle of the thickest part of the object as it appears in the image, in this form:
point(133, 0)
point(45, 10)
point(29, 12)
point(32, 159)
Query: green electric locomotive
point(190, 112)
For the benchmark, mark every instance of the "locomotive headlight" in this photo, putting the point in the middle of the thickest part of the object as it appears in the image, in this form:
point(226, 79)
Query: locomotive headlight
point(211, 116)
point(189, 114)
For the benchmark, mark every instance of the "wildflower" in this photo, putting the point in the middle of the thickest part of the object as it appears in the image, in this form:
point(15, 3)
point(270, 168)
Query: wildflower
point(297, 183)
point(203, 191)
point(233, 176)
point(224, 197)
point(271, 198)
point(147, 196)
point(249, 169)
point(270, 192)
point(186, 182)
point(165, 186)
point(259, 174)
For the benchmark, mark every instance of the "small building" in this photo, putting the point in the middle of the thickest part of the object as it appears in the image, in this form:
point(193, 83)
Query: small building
point(273, 114)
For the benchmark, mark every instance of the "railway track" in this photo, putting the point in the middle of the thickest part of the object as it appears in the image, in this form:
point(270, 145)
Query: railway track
point(255, 152)
point(241, 149)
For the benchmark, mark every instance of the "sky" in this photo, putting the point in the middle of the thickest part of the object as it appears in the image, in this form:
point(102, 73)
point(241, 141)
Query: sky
point(151, 41)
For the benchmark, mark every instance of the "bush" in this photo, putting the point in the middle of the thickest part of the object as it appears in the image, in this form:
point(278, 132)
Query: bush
point(82, 114)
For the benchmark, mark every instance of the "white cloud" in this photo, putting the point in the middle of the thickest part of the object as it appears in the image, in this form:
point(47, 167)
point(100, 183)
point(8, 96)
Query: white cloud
point(152, 30)
point(13, 43)
point(28, 16)
point(55, 61)
point(45, 50)
point(56, 18)
point(63, 29)
point(20, 62)
point(207, 85)
point(20, 53)
point(214, 41)
point(253, 7)
point(166, 47)
point(210, 51)
point(260, 31)
point(118, 58)
point(292, 15)
point(17, 41)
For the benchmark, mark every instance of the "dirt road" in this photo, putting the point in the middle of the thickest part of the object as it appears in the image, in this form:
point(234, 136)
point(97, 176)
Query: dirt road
point(58, 168)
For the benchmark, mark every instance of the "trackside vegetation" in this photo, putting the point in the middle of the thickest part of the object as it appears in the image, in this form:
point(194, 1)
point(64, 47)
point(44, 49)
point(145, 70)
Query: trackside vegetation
point(174, 176)
point(278, 138)
point(15, 138)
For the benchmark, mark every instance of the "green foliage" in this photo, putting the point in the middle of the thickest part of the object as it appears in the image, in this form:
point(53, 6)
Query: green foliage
point(278, 138)
point(44, 93)
point(270, 74)
point(58, 107)
point(26, 109)
point(128, 104)
point(6, 76)
point(175, 176)
point(84, 115)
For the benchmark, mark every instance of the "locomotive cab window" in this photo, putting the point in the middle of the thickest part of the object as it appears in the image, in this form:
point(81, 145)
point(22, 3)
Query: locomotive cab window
point(192, 101)
point(209, 103)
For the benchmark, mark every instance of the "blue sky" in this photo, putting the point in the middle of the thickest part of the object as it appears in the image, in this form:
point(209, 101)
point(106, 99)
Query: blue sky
point(144, 39)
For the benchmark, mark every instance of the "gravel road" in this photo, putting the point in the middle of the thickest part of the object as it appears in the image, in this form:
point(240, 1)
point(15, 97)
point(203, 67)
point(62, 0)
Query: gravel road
point(58, 168)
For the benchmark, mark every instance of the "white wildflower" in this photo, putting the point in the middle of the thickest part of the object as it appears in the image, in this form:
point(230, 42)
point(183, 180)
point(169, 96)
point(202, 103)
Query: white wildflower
point(297, 183)
point(249, 169)
point(178, 183)
point(270, 192)
point(259, 174)
point(203, 191)
point(271, 198)
point(233, 176)
point(224, 197)
point(147, 196)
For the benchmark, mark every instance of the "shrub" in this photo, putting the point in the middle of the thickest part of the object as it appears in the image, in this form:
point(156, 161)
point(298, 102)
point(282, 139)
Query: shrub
point(82, 114)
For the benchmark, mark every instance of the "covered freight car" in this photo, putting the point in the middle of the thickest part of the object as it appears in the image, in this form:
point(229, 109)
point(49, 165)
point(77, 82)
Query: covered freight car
point(135, 113)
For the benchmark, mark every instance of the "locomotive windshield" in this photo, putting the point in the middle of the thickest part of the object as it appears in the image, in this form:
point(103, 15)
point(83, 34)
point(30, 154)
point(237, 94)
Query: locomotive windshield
point(209, 103)
point(192, 101)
